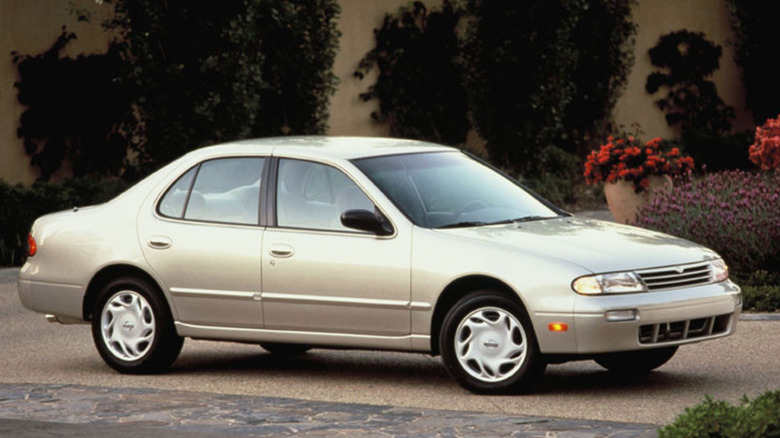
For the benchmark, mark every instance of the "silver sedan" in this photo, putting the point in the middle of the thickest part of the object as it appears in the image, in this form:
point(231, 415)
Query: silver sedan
point(303, 242)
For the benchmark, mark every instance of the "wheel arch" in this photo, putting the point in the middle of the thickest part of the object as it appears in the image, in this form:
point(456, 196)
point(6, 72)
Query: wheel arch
point(106, 275)
point(457, 290)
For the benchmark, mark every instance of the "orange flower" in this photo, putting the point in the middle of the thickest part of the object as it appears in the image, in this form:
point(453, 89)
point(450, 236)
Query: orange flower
point(628, 159)
point(765, 152)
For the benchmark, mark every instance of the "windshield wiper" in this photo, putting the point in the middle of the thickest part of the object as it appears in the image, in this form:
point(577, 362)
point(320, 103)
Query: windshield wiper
point(463, 224)
point(522, 219)
point(518, 220)
point(531, 218)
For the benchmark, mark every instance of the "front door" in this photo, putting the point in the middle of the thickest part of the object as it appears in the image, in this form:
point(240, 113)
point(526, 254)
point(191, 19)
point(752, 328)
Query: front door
point(320, 276)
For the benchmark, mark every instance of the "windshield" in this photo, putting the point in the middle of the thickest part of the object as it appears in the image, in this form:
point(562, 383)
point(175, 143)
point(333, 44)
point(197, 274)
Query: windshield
point(449, 189)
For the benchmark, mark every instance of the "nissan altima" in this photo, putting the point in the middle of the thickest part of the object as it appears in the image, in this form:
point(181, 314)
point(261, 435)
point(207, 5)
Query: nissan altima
point(302, 242)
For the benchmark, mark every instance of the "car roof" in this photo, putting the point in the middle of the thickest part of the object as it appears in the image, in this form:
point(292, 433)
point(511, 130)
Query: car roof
point(333, 147)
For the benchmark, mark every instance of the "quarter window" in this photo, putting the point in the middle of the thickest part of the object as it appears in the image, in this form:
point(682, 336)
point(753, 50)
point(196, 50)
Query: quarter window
point(174, 201)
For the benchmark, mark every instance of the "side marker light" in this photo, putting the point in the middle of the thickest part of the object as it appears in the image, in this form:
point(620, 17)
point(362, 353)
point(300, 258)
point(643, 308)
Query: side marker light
point(558, 327)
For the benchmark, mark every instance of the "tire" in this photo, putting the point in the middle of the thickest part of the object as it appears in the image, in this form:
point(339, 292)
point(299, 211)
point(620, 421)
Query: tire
point(636, 362)
point(281, 349)
point(488, 345)
point(133, 329)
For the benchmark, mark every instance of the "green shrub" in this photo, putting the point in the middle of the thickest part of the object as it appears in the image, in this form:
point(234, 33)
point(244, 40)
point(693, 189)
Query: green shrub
point(759, 418)
point(604, 40)
point(760, 291)
point(531, 75)
point(708, 419)
point(519, 87)
point(208, 72)
point(22, 205)
point(557, 177)
point(714, 152)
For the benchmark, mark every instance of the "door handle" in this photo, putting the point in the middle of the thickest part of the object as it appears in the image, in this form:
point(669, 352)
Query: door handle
point(280, 250)
point(160, 242)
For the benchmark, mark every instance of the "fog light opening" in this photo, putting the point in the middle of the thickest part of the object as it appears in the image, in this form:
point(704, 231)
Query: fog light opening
point(622, 315)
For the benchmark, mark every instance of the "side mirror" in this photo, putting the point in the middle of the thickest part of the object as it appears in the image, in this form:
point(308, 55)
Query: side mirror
point(364, 220)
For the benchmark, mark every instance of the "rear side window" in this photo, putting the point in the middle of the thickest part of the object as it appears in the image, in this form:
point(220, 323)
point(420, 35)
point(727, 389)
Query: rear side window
point(225, 190)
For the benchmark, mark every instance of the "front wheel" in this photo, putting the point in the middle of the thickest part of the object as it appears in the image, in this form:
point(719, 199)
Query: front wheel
point(132, 328)
point(636, 362)
point(488, 345)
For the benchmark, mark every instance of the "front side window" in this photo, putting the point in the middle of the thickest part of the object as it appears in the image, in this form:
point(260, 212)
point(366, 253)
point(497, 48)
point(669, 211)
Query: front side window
point(313, 196)
point(224, 190)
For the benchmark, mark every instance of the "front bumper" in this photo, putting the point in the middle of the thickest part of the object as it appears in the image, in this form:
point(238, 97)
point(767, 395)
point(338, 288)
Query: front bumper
point(603, 324)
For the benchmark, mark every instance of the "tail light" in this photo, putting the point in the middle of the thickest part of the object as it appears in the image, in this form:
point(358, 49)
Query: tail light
point(32, 247)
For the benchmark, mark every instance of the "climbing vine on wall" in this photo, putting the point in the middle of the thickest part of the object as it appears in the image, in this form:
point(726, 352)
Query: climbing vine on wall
point(687, 60)
point(420, 82)
point(72, 109)
point(531, 77)
point(690, 100)
point(179, 75)
point(756, 34)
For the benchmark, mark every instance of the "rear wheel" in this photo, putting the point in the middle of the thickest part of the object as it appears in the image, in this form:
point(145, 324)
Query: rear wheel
point(133, 329)
point(488, 344)
point(636, 362)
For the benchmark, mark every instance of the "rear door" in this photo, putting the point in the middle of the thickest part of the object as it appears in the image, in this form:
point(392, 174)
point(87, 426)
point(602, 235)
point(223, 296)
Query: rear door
point(203, 240)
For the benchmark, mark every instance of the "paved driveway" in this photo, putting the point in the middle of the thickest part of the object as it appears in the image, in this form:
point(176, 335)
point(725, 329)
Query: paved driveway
point(36, 352)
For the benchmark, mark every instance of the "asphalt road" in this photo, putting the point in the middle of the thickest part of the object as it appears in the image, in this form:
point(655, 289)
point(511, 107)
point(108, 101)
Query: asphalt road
point(748, 363)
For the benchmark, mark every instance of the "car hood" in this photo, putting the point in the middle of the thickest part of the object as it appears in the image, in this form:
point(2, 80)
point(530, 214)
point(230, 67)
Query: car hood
point(597, 246)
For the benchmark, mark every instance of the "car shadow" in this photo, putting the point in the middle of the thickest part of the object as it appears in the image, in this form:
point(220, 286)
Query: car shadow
point(318, 364)
point(411, 369)
point(584, 378)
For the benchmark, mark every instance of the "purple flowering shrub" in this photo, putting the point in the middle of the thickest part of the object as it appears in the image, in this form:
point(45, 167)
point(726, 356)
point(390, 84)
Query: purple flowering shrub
point(735, 213)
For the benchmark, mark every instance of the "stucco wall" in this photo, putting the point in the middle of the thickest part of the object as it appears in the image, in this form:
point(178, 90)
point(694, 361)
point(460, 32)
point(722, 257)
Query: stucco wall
point(32, 26)
point(656, 18)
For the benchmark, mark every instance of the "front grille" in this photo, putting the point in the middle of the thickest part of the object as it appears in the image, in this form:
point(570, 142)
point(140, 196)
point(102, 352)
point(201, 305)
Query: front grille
point(682, 330)
point(676, 276)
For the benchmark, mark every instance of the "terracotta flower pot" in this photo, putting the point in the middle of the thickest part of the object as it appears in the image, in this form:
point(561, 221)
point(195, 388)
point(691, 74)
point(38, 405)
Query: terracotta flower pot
point(624, 203)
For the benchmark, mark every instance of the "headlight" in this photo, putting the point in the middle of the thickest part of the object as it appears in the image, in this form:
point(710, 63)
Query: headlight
point(614, 283)
point(719, 271)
